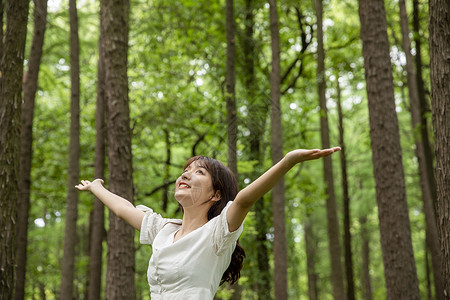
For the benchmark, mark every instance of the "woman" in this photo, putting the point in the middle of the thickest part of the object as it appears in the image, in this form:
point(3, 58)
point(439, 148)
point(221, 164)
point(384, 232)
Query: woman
point(193, 256)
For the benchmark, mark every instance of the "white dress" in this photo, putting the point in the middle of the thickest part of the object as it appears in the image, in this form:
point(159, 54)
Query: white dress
point(192, 267)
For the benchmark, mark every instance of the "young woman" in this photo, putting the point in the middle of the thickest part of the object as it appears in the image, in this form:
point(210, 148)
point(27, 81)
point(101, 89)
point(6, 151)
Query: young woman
point(193, 256)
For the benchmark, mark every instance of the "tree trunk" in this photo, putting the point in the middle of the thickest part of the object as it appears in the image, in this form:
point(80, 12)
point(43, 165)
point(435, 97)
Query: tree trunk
point(70, 234)
point(98, 216)
point(11, 76)
point(398, 257)
point(337, 278)
point(257, 113)
point(230, 87)
point(310, 244)
point(365, 274)
point(346, 198)
point(439, 28)
point(278, 198)
point(2, 9)
point(165, 196)
point(120, 270)
point(416, 118)
point(29, 95)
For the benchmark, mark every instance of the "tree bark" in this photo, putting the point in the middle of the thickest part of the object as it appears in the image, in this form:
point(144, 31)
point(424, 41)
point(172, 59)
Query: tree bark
point(70, 234)
point(278, 197)
point(120, 270)
point(337, 278)
point(98, 215)
point(439, 29)
point(230, 98)
point(29, 95)
point(256, 124)
point(398, 257)
point(11, 76)
point(365, 274)
point(346, 198)
point(230, 87)
point(416, 119)
point(310, 244)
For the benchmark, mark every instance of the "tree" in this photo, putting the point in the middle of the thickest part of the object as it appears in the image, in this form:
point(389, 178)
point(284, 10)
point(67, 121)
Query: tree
point(439, 29)
point(421, 141)
point(332, 224)
point(230, 87)
point(70, 233)
point(257, 112)
point(120, 270)
point(346, 198)
point(29, 94)
point(11, 68)
point(98, 214)
point(365, 249)
point(278, 197)
point(400, 269)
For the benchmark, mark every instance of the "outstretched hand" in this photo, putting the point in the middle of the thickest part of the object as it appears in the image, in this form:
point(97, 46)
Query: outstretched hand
point(299, 155)
point(86, 185)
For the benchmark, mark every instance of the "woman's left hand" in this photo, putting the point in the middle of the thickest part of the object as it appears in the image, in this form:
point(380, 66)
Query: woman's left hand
point(299, 155)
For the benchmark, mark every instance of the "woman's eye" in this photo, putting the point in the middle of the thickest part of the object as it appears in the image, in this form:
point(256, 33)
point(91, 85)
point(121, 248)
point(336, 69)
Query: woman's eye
point(200, 172)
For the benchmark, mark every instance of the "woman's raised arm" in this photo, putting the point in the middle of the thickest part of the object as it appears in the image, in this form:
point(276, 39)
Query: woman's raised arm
point(250, 194)
point(120, 206)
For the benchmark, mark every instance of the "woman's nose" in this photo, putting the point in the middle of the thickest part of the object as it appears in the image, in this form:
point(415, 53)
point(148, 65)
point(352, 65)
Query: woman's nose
point(185, 175)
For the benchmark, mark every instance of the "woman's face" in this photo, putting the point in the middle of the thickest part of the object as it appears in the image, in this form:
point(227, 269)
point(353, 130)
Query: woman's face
point(194, 186)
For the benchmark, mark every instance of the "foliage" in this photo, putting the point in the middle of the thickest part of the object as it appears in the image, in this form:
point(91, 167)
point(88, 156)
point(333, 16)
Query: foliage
point(176, 81)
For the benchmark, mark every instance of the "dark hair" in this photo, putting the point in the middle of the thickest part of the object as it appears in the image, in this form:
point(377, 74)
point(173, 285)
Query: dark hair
point(223, 180)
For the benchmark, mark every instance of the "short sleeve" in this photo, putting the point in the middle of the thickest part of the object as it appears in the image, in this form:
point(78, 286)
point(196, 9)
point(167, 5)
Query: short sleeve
point(151, 224)
point(222, 237)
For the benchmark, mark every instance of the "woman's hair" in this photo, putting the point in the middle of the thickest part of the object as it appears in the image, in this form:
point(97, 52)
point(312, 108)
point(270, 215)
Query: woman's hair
point(223, 180)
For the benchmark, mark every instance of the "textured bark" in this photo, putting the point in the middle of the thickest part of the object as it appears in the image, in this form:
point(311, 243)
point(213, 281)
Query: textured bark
point(256, 124)
point(346, 198)
point(439, 28)
point(11, 68)
point(278, 197)
point(70, 233)
point(416, 119)
point(230, 87)
point(310, 244)
point(365, 274)
point(337, 276)
point(165, 196)
point(398, 257)
point(120, 269)
point(98, 215)
point(29, 93)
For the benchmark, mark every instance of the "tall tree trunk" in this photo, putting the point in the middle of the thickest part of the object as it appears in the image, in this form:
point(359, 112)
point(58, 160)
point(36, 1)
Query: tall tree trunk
point(256, 124)
point(120, 270)
point(346, 198)
point(230, 98)
point(11, 75)
point(278, 197)
point(98, 215)
point(70, 234)
point(230, 87)
point(398, 257)
point(29, 95)
point(165, 196)
point(365, 274)
point(310, 244)
point(424, 107)
point(2, 10)
point(416, 118)
point(337, 278)
point(439, 28)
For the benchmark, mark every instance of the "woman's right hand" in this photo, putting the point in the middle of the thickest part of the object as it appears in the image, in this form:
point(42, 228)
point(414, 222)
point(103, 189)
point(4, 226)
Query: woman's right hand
point(86, 185)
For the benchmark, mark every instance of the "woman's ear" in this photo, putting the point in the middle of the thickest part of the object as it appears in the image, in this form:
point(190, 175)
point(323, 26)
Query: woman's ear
point(217, 196)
